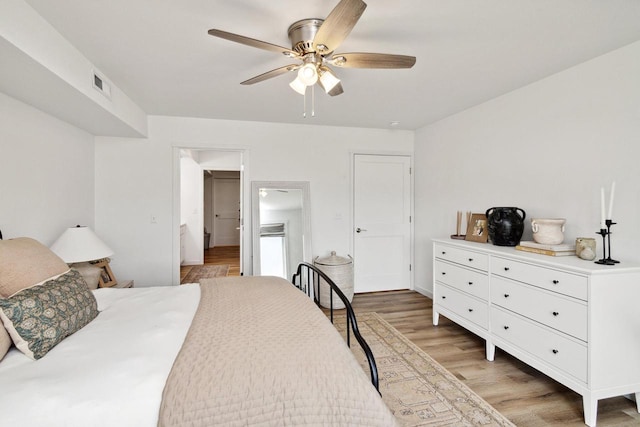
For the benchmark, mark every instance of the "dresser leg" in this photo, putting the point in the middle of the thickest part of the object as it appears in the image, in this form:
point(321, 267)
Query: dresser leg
point(590, 407)
point(436, 318)
point(490, 350)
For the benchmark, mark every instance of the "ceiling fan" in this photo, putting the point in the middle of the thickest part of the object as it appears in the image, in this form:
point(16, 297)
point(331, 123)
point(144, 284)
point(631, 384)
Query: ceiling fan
point(313, 42)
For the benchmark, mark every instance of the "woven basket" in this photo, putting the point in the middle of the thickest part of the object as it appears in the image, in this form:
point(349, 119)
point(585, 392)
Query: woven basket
point(340, 270)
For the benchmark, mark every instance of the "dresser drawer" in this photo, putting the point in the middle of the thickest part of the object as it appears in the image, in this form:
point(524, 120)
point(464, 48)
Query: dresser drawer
point(463, 305)
point(562, 282)
point(464, 279)
point(559, 312)
point(462, 256)
point(552, 348)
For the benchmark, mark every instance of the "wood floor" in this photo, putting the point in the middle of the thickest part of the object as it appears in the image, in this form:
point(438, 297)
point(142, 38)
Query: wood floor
point(229, 255)
point(525, 396)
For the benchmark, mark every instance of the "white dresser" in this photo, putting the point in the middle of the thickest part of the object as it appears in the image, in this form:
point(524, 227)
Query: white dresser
point(574, 320)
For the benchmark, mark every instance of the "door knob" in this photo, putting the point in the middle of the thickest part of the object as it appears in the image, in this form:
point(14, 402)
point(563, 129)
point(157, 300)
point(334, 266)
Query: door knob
point(358, 230)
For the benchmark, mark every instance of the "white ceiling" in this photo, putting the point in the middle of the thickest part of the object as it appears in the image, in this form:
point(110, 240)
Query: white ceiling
point(468, 51)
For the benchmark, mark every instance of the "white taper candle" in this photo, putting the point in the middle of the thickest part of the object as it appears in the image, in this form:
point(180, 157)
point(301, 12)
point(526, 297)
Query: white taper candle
point(613, 191)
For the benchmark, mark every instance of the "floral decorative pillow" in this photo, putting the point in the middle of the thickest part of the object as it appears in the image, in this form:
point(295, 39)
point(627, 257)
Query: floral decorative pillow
point(40, 317)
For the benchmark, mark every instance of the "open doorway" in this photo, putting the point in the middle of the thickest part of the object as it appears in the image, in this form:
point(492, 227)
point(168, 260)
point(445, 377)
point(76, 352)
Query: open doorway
point(210, 213)
point(222, 216)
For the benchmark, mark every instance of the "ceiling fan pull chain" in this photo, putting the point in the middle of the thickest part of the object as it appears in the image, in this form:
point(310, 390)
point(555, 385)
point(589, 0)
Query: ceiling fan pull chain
point(304, 103)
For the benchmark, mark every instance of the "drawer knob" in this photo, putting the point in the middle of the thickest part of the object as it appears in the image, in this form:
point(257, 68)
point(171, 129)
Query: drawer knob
point(444, 253)
point(555, 351)
point(444, 297)
point(444, 273)
point(506, 269)
point(470, 310)
point(470, 283)
point(506, 295)
point(470, 259)
point(555, 313)
point(506, 327)
point(555, 282)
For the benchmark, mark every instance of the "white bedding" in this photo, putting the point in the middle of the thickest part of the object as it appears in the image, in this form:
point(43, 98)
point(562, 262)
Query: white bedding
point(86, 374)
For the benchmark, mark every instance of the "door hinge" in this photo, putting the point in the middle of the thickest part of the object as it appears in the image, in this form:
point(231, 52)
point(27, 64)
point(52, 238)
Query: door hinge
point(410, 169)
point(409, 219)
point(409, 267)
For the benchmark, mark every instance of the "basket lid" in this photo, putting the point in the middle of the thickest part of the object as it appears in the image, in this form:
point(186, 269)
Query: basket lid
point(333, 259)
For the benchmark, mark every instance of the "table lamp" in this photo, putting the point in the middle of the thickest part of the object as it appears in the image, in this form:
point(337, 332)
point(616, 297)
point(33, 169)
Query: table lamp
point(80, 244)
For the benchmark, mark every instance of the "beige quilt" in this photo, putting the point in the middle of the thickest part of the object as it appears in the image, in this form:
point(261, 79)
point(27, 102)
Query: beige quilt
point(259, 352)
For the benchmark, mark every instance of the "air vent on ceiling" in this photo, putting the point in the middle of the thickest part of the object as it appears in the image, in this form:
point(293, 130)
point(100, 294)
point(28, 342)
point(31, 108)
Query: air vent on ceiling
point(101, 85)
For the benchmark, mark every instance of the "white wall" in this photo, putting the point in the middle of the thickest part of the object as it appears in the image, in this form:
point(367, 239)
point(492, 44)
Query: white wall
point(207, 208)
point(43, 62)
point(46, 177)
point(144, 183)
point(547, 148)
point(191, 209)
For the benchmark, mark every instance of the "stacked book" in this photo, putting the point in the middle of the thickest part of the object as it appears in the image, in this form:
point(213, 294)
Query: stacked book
point(552, 250)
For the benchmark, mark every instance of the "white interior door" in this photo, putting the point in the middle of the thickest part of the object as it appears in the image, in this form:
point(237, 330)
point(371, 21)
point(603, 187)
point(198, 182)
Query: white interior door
point(226, 207)
point(382, 222)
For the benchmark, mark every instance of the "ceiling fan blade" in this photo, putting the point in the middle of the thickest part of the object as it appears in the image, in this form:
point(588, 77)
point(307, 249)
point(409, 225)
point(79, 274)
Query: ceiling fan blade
point(338, 25)
point(372, 60)
point(271, 74)
point(253, 42)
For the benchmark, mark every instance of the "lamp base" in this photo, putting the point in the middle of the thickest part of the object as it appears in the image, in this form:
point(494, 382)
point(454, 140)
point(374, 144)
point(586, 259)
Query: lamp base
point(107, 279)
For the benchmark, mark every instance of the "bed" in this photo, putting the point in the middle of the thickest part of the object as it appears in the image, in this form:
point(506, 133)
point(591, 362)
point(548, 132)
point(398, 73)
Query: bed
point(228, 351)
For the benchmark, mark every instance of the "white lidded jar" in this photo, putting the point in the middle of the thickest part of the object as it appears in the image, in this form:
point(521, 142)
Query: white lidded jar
point(340, 270)
point(548, 231)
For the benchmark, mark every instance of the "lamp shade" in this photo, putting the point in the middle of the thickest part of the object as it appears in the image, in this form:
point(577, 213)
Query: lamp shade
point(328, 80)
point(308, 74)
point(80, 244)
point(298, 86)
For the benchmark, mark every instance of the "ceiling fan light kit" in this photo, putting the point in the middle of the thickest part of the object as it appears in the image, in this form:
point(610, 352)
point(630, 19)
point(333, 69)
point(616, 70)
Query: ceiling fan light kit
point(298, 86)
point(308, 74)
point(328, 80)
point(313, 41)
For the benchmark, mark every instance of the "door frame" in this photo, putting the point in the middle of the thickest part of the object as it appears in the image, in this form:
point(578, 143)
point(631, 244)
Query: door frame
point(352, 171)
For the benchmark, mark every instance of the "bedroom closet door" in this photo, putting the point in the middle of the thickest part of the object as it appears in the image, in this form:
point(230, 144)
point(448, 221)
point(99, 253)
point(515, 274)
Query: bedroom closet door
point(382, 222)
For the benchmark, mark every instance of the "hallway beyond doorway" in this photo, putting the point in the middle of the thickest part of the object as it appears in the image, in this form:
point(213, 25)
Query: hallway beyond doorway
point(229, 255)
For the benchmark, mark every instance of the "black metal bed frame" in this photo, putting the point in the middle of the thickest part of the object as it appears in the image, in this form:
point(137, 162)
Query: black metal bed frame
point(307, 277)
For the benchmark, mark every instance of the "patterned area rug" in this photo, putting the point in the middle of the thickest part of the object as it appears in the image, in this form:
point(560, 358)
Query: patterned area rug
point(199, 272)
point(417, 389)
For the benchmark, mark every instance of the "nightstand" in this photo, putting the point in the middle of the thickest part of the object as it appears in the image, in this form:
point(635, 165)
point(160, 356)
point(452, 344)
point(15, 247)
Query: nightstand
point(124, 284)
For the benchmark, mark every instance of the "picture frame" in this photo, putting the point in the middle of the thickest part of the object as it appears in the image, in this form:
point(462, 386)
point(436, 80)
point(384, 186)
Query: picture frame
point(477, 228)
point(107, 279)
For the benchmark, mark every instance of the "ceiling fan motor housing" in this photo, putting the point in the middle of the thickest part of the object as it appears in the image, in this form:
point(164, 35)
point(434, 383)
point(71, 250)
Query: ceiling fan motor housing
point(301, 33)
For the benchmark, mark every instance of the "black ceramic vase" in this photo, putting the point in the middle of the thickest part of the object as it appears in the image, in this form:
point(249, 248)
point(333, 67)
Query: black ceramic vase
point(505, 225)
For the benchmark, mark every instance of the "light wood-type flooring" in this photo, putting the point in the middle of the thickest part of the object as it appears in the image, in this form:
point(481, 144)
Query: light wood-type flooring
point(524, 395)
